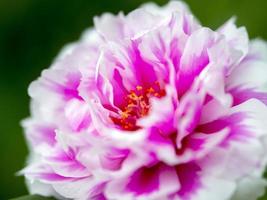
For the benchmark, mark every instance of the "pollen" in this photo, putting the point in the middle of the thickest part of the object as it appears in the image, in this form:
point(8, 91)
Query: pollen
point(139, 88)
point(137, 106)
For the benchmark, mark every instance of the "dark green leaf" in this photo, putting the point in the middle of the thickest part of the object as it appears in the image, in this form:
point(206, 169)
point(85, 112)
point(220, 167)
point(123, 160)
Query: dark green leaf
point(32, 197)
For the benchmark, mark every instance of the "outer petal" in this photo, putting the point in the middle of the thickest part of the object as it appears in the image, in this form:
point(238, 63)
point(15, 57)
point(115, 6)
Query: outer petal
point(237, 38)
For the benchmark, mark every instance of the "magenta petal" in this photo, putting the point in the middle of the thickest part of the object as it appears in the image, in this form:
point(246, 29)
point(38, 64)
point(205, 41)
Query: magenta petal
point(189, 179)
point(145, 180)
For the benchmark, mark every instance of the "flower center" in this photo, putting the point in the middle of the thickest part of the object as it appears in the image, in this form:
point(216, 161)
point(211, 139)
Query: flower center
point(137, 106)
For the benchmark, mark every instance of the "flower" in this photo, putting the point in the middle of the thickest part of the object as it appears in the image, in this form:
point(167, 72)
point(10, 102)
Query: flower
point(151, 105)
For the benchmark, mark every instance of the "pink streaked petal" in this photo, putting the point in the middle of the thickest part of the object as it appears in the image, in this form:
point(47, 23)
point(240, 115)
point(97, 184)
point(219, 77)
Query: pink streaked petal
point(39, 132)
point(118, 88)
point(208, 114)
point(194, 58)
point(52, 177)
point(212, 81)
point(189, 179)
point(198, 145)
point(44, 173)
point(65, 87)
point(97, 192)
point(150, 183)
point(161, 147)
point(222, 123)
point(144, 181)
point(141, 68)
point(129, 165)
point(193, 146)
point(77, 113)
point(188, 114)
point(256, 113)
point(158, 117)
point(238, 130)
point(248, 150)
point(241, 95)
point(66, 164)
point(165, 46)
point(113, 159)
point(158, 137)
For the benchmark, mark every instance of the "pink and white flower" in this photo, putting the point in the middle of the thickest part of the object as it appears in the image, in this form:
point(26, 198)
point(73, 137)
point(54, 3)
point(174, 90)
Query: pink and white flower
point(151, 106)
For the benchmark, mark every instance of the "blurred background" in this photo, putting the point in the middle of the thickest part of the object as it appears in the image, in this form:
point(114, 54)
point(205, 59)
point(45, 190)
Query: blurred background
point(32, 33)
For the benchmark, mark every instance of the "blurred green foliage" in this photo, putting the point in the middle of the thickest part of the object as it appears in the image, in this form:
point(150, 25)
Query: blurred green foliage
point(33, 31)
point(32, 197)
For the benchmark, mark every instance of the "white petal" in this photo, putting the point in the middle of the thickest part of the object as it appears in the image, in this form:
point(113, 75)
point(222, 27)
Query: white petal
point(250, 188)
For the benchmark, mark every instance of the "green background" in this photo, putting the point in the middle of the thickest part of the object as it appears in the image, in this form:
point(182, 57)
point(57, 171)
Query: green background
point(32, 33)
